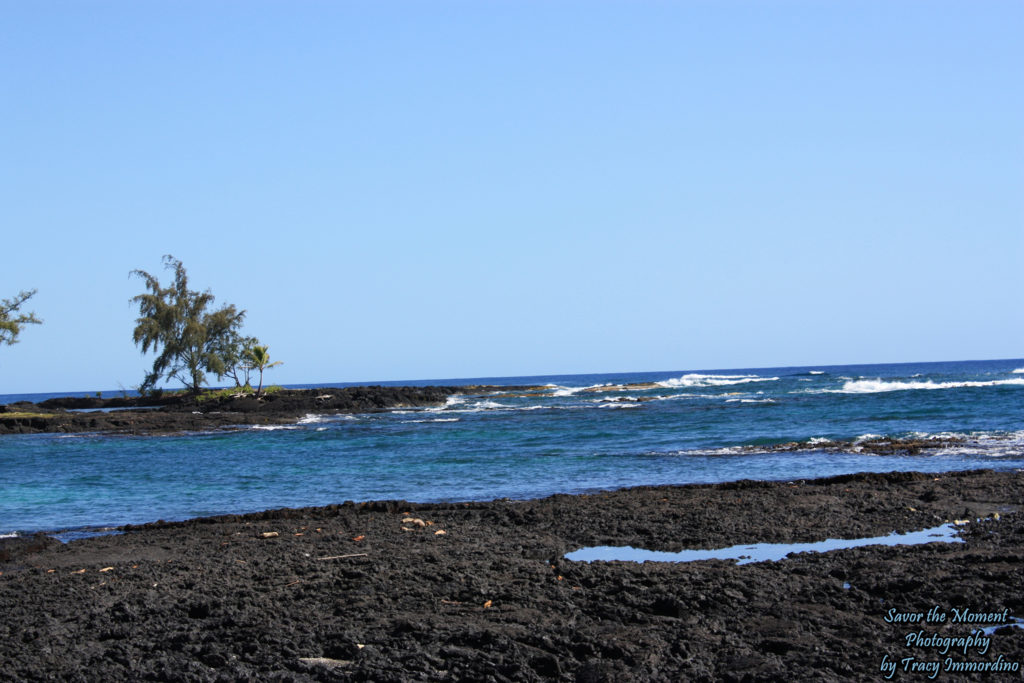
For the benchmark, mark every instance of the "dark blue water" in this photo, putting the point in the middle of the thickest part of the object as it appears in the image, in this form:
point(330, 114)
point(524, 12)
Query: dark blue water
point(583, 432)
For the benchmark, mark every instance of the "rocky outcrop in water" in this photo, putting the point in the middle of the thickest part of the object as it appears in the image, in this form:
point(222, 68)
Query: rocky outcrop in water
point(183, 413)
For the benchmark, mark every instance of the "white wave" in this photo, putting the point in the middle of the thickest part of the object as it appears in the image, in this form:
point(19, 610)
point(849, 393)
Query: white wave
point(804, 379)
point(449, 403)
point(13, 534)
point(477, 407)
point(1019, 371)
point(674, 397)
point(874, 386)
point(867, 437)
point(988, 444)
point(698, 380)
point(939, 435)
point(619, 405)
point(749, 400)
point(571, 391)
point(436, 419)
point(816, 372)
point(725, 450)
point(615, 399)
point(274, 428)
point(489, 405)
point(312, 418)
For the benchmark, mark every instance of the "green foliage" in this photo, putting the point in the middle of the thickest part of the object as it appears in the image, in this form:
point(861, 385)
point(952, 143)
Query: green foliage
point(14, 415)
point(232, 350)
point(258, 358)
point(11, 324)
point(174, 322)
point(231, 392)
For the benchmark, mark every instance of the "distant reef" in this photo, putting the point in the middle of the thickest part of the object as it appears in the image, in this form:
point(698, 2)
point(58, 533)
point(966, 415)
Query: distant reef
point(177, 413)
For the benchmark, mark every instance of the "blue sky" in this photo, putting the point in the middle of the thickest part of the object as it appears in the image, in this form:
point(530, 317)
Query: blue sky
point(406, 190)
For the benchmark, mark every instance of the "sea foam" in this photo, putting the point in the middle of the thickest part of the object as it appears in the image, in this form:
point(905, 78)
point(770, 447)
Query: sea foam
point(874, 386)
point(698, 380)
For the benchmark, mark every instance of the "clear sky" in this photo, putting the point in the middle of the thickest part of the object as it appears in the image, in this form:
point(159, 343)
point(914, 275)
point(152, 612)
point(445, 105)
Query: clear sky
point(412, 190)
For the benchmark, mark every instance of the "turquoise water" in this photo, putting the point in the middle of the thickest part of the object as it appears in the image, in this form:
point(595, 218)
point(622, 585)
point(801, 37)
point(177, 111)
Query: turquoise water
point(703, 426)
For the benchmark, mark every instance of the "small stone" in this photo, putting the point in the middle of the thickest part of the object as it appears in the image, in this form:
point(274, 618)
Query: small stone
point(326, 662)
point(270, 534)
point(440, 532)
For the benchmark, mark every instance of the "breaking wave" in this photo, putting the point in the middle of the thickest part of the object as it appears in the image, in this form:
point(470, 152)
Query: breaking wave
point(698, 380)
point(874, 386)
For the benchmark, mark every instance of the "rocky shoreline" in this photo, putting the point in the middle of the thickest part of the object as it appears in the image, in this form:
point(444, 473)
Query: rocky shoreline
point(176, 413)
point(398, 591)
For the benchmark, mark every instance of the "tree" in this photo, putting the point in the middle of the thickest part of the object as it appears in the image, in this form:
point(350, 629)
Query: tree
point(175, 323)
point(233, 352)
point(259, 359)
point(11, 324)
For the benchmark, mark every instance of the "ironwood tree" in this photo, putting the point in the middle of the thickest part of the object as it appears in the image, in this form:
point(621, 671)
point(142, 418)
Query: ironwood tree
point(12, 321)
point(233, 350)
point(180, 326)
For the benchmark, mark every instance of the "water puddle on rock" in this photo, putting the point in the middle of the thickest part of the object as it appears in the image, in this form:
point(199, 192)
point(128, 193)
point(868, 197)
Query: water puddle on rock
point(1015, 622)
point(761, 552)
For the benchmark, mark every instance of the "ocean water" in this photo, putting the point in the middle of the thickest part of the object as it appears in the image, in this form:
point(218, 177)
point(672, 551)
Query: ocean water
point(581, 433)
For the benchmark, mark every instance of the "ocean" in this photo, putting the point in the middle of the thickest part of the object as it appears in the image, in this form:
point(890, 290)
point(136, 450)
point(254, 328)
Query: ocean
point(581, 433)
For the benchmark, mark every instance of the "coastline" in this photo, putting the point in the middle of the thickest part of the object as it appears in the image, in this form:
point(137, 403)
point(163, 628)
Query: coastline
point(344, 592)
point(179, 412)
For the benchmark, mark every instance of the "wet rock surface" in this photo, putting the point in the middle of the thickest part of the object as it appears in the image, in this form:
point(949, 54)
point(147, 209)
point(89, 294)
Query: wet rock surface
point(364, 592)
point(880, 445)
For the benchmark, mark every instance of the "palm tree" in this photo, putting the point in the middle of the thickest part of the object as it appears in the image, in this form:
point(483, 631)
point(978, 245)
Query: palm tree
point(258, 358)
